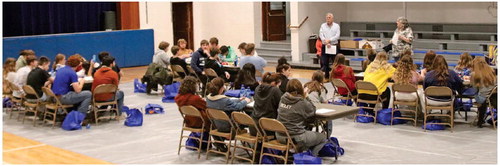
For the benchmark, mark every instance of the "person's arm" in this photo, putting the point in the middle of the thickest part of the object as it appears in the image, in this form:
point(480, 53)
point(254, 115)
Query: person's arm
point(322, 34)
point(195, 60)
point(263, 64)
point(165, 59)
point(309, 110)
point(77, 86)
point(237, 104)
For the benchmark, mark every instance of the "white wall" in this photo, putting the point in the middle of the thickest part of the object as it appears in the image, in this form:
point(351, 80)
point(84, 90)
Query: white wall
point(422, 12)
point(231, 22)
point(159, 18)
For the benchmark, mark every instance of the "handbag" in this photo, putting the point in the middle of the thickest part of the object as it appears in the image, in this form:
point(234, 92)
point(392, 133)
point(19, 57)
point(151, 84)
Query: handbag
point(363, 119)
point(331, 149)
point(139, 87)
point(388, 47)
point(134, 118)
point(384, 117)
point(195, 142)
point(73, 121)
point(306, 158)
point(434, 126)
point(154, 109)
point(170, 92)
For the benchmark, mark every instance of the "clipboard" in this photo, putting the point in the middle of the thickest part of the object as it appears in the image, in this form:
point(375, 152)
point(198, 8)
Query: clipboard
point(331, 50)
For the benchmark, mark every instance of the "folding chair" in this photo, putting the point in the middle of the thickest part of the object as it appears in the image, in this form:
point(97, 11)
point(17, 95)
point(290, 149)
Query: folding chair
point(191, 111)
point(96, 105)
point(244, 119)
point(220, 115)
point(55, 105)
point(32, 105)
point(7, 92)
point(439, 91)
point(176, 71)
point(267, 124)
point(488, 101)
point(17, 103)
point(338, 83)
point(200, 90)
point(405, 89)
point(368, 86)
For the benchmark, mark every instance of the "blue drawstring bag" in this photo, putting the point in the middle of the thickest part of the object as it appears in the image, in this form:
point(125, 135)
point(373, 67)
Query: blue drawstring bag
point(232, 93)
point(306, 158)
point(196, 143)
point(73, 121)
point(139, 87)
point(342, 102)
point(154, 109)
point(269, 159)
point(363, 119)
point(434, 126)
point(7, 103)
point(170, 92)
point(134, 117)
point(384, 117)
point(488, 113)
point(331, 149)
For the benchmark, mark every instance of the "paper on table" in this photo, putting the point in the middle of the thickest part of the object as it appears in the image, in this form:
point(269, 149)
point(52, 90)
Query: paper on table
point(331, 50)
point(324, 110)
point(251, 104)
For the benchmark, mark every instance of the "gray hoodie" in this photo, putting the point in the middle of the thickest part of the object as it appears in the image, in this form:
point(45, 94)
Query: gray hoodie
point(295, 113)
point(267, 99)
point(161, 57)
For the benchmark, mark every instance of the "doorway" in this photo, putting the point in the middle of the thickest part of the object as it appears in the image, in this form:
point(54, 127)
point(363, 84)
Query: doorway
point(274, 20)
point(182, 20)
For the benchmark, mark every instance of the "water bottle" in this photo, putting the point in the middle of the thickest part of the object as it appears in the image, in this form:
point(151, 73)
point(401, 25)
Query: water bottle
point(247, 92)
point(242, 90)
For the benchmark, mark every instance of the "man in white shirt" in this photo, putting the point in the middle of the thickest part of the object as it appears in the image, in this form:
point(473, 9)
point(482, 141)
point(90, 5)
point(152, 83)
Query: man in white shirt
point(22, 74)
point(161, 56)
point(329, 34)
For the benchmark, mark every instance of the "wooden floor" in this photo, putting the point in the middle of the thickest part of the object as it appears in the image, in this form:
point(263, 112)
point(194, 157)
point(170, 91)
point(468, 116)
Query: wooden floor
point(20, 150)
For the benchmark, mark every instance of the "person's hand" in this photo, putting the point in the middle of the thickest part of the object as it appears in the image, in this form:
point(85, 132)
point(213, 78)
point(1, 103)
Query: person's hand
point(206, 52)
point(327, 42)
point(401, 37)
point(328, 45)
point(227, 75)
point(246, 99)
point(81, 81)
point(203, 72)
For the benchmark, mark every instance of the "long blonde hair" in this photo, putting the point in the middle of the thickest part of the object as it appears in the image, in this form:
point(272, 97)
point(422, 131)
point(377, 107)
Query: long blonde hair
point(464, 62)
point(483, 75)
point(403, 73)
point(379, 62)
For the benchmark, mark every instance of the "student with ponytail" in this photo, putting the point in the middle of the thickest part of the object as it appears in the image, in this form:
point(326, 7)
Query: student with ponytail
point(267, 98)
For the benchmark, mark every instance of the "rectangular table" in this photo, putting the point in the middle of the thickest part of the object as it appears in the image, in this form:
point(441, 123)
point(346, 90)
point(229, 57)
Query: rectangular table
point(331, 112)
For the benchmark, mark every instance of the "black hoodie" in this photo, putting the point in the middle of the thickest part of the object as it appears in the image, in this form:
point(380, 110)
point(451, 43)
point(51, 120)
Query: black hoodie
point(267, 99)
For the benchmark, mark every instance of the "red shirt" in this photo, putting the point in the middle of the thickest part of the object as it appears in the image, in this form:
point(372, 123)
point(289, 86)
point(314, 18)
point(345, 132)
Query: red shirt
point(197, 102)
point(104, 75)
point(349, 79)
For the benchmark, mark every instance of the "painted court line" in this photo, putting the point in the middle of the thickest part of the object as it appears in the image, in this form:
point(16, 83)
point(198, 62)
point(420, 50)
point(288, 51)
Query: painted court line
point(26, 147)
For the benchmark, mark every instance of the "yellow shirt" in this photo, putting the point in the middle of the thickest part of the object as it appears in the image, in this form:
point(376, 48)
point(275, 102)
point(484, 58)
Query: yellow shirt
point(379, 78)
point(185, 51)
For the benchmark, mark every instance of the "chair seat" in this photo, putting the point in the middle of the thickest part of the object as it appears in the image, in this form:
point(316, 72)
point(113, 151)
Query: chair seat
point(274, 144)
point(103, 103)
point(220, 134)
point(28, 104)
point(54, 106)
point(198, 130)
point(247, 137)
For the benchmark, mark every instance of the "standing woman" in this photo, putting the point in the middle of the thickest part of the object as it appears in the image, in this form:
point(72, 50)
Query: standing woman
point(484, 79)
point(402, 38)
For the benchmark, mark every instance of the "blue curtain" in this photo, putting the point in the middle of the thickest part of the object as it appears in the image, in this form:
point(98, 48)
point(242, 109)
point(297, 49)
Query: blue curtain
point(36, 18)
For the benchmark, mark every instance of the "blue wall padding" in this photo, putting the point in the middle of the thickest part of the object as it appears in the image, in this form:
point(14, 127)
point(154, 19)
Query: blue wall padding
point(129, 47)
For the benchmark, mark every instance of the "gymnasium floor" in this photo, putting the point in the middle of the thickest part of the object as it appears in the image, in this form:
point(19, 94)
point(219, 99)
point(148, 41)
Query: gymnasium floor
point(157, 140)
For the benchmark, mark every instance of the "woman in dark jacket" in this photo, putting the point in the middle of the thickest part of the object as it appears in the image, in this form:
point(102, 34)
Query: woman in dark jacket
point(267, 98)
point(246, 77)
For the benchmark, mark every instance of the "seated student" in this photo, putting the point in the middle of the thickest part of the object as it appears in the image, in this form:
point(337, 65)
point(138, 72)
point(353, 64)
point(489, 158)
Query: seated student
point(406, 74)
point(246, 77)
point(21, 61)
point(106, 75)
point(213, 63)
point(370, 53)
point(178, 60)
point(378, 73)
point(9, 70)
point(183, 50)
point(258, 62)
point(315, 89)
point(198, 58)
point(217, 100)
point(428, 60)
point(22, 75)
point(69, 87)
point(115, 68)
point(284, 71)
point(59, 62)
point(483, 78)
point(83, 69)
point(161, 57)
point(464, 65)
point(227, 54)
point(214, 43)
point(267, 98)
point(187, 97)
point(295, 112)
point(442, 76)
point(344, 73)
point(242, 47)
point(39, 77)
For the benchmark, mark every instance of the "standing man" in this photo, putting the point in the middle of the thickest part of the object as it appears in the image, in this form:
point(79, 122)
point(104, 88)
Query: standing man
point(329, 34)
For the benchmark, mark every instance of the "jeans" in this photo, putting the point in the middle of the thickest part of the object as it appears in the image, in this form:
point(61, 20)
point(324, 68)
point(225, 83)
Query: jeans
point(119, 98)
point(308, 140)
point(325, 61)
point(81, 99)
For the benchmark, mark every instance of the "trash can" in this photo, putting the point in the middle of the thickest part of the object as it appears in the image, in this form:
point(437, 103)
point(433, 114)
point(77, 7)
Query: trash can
point(312, 43)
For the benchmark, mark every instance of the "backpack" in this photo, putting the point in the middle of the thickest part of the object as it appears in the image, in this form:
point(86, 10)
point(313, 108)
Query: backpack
point(331, 149)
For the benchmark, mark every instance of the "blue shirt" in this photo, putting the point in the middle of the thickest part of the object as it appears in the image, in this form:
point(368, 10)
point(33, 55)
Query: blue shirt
point(64, 78)
point(258, 62)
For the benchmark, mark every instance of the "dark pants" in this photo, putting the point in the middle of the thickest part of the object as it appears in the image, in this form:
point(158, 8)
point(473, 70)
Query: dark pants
point(482, 109)
point(386, 94)
point(325, 61)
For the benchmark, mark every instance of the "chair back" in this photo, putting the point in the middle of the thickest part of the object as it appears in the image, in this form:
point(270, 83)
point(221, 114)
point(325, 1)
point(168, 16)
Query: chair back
point(405, 88)
point(30, 91)
point(267, 124)
point(177, 69)
point(339, 84)
point(210, 72)
point(241, 118)
point(190, 111)
point(218, 115)
point(492, 92)
point(365, 85)
point(51, 94)
point(13, 86)
point(439, 91)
